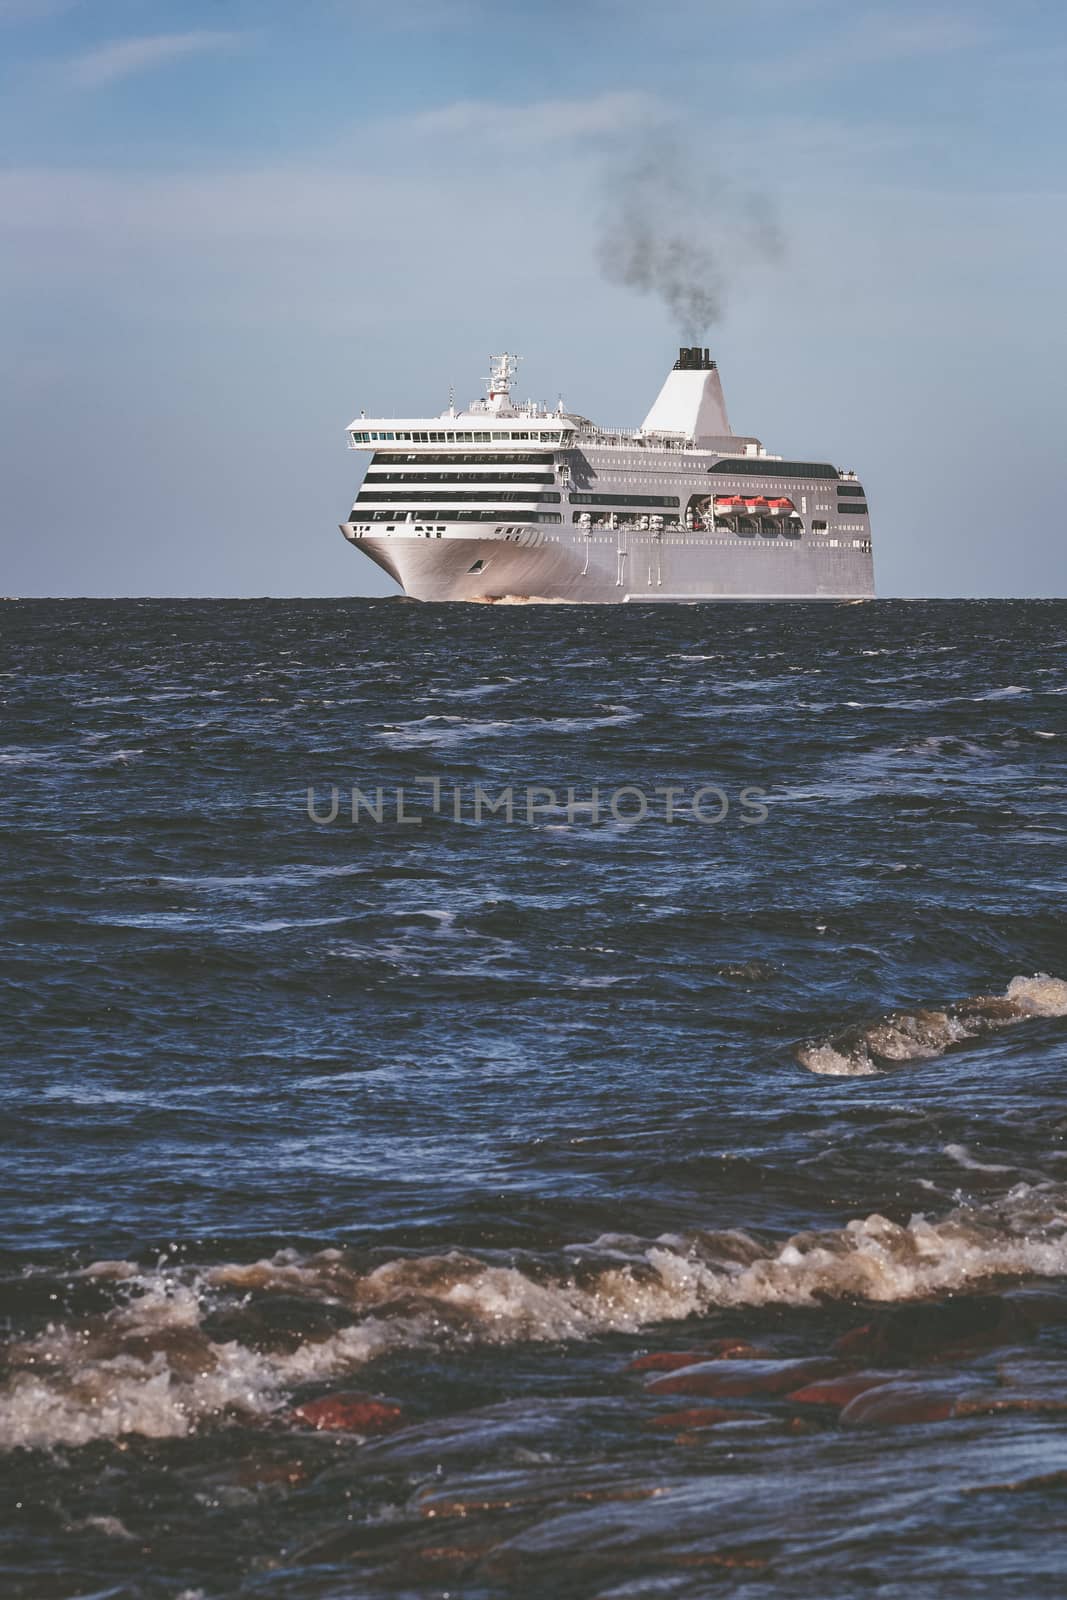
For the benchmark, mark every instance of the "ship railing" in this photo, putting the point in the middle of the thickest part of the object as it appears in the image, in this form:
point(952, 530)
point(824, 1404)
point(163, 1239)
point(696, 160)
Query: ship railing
point(628, 440)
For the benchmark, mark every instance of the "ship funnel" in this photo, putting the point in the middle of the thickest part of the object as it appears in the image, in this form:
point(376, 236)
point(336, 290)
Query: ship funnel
point(691, 401)
point(691, 358)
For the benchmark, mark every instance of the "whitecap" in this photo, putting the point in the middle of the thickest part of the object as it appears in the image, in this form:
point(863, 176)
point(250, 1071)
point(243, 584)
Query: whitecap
point(150, 1366)
point(923, 1035)
point(1040, 996)
point(23, 756)
point(443, 729)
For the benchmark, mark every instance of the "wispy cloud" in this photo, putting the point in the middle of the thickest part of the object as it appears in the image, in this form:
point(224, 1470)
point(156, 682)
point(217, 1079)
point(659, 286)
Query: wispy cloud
point(882, 39)
point(896, 37)
point(123, 58)
point(541, 120)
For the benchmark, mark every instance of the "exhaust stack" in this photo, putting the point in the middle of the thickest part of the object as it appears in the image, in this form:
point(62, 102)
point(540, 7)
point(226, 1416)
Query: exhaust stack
point(691, 401)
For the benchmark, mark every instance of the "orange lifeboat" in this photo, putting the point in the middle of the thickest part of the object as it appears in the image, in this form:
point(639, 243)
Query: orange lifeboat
point(729, 505)
point(780, 507)
point(756, 505)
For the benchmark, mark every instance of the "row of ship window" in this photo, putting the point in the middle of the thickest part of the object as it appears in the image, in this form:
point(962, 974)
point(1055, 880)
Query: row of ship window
point(740, 466)
point(737, 466)
point(448, 514)
point(745, 467)
point(746, 528)
point(421, 497)
point(397, 458)
point(487, 516)
point(426, 496)
point(366, 495)
point(451, 436)
point(422, 478)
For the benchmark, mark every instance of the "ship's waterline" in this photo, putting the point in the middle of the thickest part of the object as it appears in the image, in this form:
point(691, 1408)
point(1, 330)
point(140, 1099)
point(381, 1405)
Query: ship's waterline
point(508, 501)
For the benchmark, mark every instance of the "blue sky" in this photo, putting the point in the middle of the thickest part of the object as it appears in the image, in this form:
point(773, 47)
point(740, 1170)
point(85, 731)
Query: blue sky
point(226, 226)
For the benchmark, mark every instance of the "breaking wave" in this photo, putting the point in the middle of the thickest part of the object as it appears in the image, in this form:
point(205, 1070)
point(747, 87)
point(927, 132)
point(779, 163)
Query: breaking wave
point(524, 600)
point(904, 1036)
point(189, 1347)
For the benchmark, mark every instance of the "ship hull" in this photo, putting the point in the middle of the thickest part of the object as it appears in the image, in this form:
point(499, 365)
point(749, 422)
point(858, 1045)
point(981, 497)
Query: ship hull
point(616, 569)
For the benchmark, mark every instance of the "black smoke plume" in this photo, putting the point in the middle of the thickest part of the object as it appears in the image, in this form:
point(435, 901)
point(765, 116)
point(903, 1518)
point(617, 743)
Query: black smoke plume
point(669, 227)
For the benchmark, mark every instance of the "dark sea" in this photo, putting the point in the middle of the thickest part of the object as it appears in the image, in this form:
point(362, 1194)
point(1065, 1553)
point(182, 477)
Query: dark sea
point(521, 1191)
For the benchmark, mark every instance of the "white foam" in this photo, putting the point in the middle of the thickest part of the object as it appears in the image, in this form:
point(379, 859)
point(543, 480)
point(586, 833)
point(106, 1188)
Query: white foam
point(923, 1035)
point(72, 1386)
point(525, 600)
point(831, 1063)
point(22, 756)
point(1040, 996)
point(149, 1368)
point(446, 729)
point(112, 1527)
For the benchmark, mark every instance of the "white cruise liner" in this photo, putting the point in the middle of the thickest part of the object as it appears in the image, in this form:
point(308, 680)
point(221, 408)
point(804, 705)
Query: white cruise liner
point(511, 501)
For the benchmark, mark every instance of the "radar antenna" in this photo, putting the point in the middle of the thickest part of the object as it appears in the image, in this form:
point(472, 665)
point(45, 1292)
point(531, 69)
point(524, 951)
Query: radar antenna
point(502, 370)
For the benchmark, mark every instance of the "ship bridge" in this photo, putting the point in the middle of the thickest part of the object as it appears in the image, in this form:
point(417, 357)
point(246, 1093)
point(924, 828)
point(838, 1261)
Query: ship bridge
point(492, 463)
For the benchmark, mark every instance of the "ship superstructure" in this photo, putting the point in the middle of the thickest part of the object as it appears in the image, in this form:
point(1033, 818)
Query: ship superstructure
point(513, 501)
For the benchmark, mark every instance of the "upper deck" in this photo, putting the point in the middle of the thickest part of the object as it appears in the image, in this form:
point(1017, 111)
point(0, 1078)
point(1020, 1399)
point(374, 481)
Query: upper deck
point(687, 425)
point(497, 420)
point(457, 428)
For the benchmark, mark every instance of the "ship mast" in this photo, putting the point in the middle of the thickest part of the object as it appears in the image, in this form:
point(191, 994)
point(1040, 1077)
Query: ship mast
point(502, 370)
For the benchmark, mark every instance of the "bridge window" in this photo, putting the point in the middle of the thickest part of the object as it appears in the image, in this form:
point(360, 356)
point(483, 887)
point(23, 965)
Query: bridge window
point(397, 458)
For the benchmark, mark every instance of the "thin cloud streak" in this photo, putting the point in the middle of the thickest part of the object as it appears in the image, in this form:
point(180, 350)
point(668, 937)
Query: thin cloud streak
point(541, 120)
point(881, 40)
point(124, 58)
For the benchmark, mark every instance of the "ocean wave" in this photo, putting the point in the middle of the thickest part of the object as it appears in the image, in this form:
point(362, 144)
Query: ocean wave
point(17, 756)
point(963, 1158)
point(448, 729)
point(478, 691)
point(898, 1037)
point(189, 1347)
